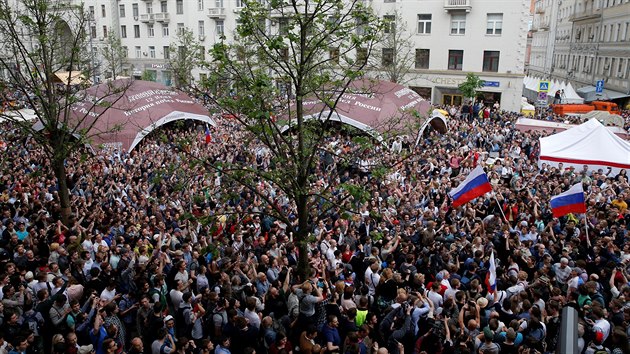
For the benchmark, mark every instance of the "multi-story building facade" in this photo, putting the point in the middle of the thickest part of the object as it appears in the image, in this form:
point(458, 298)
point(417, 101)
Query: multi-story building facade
point(450, 38)
point(582, 42)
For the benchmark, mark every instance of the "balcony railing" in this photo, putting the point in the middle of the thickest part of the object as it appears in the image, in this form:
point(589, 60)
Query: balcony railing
point(587, 14)
point(453, 5)
point(216, 12)
point(162, 17)
point(147, 18)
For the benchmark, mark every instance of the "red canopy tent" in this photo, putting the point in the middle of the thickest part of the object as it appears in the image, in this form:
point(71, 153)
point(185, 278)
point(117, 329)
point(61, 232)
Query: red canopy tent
point(376, 107)
point(127, 110)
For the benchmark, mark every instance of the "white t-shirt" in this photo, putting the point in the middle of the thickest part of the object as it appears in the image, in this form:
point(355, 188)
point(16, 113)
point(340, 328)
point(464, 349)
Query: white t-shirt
point(108, 295)
point(372, 279)
point(604, 326)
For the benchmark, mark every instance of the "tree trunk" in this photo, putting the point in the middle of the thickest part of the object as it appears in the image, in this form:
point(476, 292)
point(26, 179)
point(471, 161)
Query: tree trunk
point(302, 238)
point(64, 194)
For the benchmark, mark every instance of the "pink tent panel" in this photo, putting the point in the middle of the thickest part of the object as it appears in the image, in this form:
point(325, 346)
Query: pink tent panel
point(143, 107)
point(375, 107)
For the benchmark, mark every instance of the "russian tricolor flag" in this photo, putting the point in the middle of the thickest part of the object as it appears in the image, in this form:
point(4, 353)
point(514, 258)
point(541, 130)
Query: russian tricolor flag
point(571, 201)
point(491, 276)
point(208, 137)
point(475, 185)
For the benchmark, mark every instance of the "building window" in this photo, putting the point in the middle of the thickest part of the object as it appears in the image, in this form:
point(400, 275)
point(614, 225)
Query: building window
point(134, 10)
point(103, 14)
point(239, 3)
point(202, 28)
point(494, 24)
point(136, 31)
point(164, 30)
point(422, 58)
point(121, 10)
point(283, 26)
point(455, 59)
point(458, 24)
point(151, 31)
point(491, 60)
point(179, 7)
point(200, 5)
point(220, 27)
point(202, 53)
point(138, 52)
point(151, 52)
point(104, 31)
point(164, 6)
point(390, 23)
point(91, 12)
point(93, 32)
point(149, 7)
point(424, 23)
point(125, 51)
point(387, 57)
point(123, 31)
point(218, 3)
point(180, 29)
point(333, 54)
point(362, 55)
point(167, 52)
point(284, 54)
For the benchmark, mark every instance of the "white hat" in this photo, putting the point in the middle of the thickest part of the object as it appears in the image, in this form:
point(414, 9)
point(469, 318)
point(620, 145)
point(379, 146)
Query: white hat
point(168, 318)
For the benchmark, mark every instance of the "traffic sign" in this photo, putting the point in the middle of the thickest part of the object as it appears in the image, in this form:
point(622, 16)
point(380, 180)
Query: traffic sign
point(542, 96)
point(599, 87)
point(543, 86)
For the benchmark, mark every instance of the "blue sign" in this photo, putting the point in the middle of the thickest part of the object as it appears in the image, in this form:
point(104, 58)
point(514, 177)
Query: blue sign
point(491, 83)
point(599, 87)
point(543, 86)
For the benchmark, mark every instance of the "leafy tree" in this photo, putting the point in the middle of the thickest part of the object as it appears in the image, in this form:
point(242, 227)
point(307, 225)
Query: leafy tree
point(39, 38)
point(149, 75)
point(186, 54)
point(471, 85)
point(394, 55)
point(286, 53)
point(114, 56)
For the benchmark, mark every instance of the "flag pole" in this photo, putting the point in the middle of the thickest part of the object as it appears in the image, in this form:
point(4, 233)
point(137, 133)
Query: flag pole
point(588, 240)
point(501, 209)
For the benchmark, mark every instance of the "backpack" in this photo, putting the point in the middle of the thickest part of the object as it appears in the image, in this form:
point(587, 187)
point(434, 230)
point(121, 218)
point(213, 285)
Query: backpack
point(33, 322)
point(183, 329)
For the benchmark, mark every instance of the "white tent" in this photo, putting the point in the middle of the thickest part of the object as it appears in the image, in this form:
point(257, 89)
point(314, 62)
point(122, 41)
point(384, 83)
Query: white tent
point(570, 96)
point(576, 147)
point(20, 115)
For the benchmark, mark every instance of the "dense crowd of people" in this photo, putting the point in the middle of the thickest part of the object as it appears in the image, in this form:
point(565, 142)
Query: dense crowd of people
point(163, 256)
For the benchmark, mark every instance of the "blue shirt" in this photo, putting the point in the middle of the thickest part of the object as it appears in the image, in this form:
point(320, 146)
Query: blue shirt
point(97, 340)
point(331, 335)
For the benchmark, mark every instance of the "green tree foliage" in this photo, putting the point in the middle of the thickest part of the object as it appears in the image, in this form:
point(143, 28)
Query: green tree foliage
point(469, 87)
point(285, 54)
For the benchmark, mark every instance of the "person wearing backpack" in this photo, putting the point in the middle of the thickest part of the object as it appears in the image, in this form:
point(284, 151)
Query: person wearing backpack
point(58, 314)
point(184, 317)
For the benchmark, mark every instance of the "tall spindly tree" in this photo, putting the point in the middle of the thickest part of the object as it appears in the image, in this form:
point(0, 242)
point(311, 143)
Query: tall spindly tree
point(114, 56)
point(286, 54)
point(394, 56)
point(185, 54)
point(38, 40)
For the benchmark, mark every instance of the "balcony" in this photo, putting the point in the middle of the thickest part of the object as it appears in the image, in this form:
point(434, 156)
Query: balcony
point(457, 5)
point(147, 18)
point(162, 17)
point(540, 9)
point(544, 25)
point(216, 12)
point(587, 14)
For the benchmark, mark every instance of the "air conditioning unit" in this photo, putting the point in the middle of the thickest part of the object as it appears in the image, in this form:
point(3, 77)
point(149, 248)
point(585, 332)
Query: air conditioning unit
point(144, 53)
point(101, 39)
point(202, 38)
point(607, 66)
point(135, 18)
